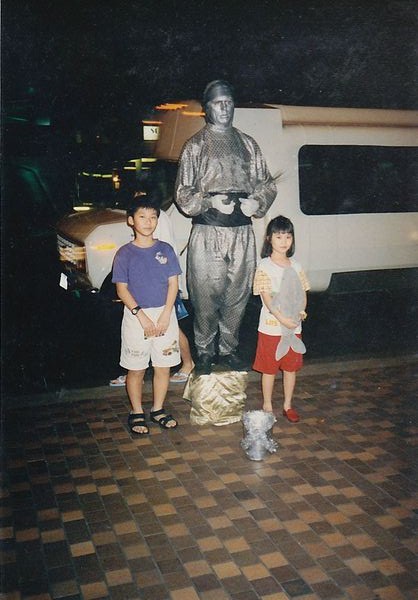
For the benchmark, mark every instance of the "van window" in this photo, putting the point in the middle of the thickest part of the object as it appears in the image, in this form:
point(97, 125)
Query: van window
point(358, 179)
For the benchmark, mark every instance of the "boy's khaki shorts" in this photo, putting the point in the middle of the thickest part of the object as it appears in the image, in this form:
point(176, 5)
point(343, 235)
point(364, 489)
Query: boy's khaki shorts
point(137, 351)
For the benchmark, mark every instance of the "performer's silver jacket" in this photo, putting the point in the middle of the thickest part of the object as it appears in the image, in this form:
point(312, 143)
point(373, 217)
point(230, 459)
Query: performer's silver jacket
point(214, 161)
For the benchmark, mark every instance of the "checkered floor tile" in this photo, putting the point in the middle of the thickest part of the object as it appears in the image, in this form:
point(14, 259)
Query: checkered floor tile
point(88, 512)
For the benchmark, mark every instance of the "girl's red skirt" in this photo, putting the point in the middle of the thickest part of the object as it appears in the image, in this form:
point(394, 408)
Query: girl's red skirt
point(265, 361)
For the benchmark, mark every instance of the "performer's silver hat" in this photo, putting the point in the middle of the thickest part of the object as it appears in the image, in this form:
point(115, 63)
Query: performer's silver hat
point(215, 88)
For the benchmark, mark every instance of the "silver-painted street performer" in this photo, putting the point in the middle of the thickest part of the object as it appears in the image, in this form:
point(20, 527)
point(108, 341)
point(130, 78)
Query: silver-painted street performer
point(222, 182)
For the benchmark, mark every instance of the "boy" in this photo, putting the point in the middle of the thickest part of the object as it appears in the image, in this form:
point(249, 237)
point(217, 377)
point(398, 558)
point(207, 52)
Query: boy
point(165, 233)
point(146, 274)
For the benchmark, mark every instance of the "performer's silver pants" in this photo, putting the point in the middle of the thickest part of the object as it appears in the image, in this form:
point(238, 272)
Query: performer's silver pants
point(220, 271)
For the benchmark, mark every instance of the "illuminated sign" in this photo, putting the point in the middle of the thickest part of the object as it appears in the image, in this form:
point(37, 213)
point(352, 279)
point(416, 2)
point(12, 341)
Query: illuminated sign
point(151, 132)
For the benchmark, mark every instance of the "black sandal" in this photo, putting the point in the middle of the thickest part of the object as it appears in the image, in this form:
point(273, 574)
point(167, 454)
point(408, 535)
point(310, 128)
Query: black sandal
point(162, 422)
point(137, 420)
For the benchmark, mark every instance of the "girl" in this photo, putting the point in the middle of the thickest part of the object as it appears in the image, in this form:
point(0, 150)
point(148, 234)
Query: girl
point(278, 248)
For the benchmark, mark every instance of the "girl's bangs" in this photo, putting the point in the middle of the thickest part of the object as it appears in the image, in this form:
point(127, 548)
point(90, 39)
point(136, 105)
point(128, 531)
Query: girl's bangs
point(282, 229)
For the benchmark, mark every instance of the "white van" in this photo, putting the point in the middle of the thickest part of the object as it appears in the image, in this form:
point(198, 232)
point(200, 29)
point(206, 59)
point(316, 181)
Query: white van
point(347, 178)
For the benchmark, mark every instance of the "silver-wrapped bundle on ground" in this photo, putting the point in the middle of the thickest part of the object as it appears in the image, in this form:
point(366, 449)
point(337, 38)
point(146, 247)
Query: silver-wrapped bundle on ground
point(218, 398)
point(258, 439)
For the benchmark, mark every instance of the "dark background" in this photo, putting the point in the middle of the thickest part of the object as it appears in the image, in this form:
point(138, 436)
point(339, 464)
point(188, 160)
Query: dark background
point(95, 68)
point(105, 59)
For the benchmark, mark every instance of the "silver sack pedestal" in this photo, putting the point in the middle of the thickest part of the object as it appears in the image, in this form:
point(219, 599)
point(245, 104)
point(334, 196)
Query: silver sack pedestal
point(218, 398)
point(257, 440)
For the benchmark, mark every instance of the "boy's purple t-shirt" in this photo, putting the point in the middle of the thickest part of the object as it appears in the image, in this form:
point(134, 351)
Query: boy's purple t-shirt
point(146, 271)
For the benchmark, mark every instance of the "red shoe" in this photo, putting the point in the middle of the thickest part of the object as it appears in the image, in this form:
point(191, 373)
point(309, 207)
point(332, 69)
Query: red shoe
point(291, 415)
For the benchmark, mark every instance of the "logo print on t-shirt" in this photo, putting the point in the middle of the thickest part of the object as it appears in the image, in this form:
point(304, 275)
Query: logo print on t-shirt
point(161, 258)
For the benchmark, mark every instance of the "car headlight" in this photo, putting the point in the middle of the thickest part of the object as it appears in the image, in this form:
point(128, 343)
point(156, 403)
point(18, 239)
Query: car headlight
point(71, 252)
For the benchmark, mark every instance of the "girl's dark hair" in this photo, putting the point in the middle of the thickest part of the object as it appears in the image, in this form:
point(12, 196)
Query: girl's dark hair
point(279, 224)
point(141, 200)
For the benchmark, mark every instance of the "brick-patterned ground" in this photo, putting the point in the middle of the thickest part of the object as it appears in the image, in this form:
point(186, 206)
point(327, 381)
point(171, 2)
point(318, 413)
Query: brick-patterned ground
point(88, 512)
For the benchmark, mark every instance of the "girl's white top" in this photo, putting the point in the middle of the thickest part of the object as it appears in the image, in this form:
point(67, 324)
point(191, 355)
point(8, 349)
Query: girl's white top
point(268, 279)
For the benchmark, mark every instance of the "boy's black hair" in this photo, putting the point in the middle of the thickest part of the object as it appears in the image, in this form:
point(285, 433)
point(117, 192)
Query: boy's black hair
point(141, 200)
point(279, 224)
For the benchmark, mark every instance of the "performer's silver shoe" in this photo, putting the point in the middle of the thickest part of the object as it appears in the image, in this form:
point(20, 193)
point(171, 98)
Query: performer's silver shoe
point(233, 362)
point(203, 365)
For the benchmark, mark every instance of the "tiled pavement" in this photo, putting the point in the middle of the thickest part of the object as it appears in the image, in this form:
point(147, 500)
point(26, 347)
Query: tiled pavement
point(88, 512)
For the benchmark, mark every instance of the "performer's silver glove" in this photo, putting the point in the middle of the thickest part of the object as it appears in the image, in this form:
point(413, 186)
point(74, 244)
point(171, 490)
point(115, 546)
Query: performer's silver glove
point(217, 202)
point(249, 206)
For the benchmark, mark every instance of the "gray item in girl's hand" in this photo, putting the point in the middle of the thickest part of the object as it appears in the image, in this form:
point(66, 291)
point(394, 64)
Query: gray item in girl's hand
point(290, 300)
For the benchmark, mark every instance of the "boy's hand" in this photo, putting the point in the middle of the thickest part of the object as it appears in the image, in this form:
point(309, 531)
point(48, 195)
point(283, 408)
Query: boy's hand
point(162, 323)
point(147, 325)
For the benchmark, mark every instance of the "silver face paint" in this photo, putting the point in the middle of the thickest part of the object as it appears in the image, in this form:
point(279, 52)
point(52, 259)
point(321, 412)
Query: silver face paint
point(220, 112)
